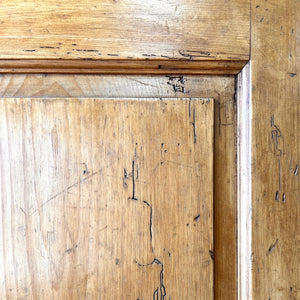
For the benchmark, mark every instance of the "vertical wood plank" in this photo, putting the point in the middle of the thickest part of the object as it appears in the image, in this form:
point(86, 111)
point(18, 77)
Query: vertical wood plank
point(275, 70)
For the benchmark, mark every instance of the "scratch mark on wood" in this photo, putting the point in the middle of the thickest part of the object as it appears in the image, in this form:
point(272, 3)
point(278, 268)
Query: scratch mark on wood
point(49, 47)
point(68, 251)
point(150, 223)
point(67, 189)
point(22, 210)
point(194, 126)
point(191, 54)
point(85, 170)
point(141, 82)
point(155, 294)
point(103, 228)
point(279, 173)
point(291, 163)
point(133, 182)
point(272, 247)
point(179, 164)
point(177, 83)
point(296, 170)
point(276, 135)
point(162, 288)
point(197, 218)
point(169, 253)
point(149, 55)
point(292, 74)
point(125, 177)
point(85, 50)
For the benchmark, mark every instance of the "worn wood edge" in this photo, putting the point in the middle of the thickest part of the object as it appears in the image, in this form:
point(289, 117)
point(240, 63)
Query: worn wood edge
point(244, 203)
point(203, 100)
point(151, 67)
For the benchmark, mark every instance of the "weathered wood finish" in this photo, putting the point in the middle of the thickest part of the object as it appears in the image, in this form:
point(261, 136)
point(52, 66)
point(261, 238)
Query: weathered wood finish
point(106, 199)
point(128, 36)
point(127, 29)
point(275, 88)
point(220, 88)
point(275, 66)
point(121, 86)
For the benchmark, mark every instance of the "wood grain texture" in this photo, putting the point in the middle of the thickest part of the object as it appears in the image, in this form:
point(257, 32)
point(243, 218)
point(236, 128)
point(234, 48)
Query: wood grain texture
point(126, 29)
point(220, 88)
point(121, 86)
point(106, 199)
point(107, 66)
point(124, 37)
point(275, 66)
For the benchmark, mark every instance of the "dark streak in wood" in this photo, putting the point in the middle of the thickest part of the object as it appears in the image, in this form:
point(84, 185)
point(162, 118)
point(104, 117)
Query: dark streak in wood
point(272, 247)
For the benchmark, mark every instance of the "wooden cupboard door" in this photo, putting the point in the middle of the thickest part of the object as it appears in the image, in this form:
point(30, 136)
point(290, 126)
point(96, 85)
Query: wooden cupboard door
point(106, 198)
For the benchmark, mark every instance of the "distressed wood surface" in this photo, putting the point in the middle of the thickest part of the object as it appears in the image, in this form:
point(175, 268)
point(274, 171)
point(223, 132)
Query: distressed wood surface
point(106, 199)
point(126, 29)
point(110, 86)
point(220, 88)
point(128, 36)
point(275, 66)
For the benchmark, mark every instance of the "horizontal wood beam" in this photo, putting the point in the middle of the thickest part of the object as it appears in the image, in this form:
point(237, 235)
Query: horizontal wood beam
point(113, 66)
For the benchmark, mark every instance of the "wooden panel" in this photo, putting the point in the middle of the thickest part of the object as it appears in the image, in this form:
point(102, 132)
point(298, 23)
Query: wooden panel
point(275, 67)
point(106, 198)
point(222, 89)
point(128, 36)
point(109, 29)
point(110, 86)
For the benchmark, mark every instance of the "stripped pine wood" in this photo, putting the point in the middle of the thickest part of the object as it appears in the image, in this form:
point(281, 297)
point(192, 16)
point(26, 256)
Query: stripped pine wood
point(275, 212)
point(127, 29)
point(106, 198)
point(127, 36)
point(222, 89)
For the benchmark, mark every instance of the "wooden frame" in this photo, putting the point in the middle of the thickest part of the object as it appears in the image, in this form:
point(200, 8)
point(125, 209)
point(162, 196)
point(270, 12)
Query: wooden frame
point(268, 87)
point(92, 66)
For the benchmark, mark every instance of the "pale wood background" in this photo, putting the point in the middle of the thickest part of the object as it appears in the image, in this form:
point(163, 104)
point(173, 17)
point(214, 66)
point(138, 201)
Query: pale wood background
point(275, 85)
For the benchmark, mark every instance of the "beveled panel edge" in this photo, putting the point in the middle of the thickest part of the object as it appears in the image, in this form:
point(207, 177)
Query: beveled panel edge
point(92, 66)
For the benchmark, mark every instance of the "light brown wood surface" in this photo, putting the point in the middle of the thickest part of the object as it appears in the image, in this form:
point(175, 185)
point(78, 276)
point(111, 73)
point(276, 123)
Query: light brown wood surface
point(106, 199)
point(220, 88)
point(126, 29)
point(273, 91)
point(275, 66)
point(126, 36)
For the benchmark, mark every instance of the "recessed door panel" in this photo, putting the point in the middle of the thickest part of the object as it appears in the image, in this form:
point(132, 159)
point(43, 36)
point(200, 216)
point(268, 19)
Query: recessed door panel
point(106, 198)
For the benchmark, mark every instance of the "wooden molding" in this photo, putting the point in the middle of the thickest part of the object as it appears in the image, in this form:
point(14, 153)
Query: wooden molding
point(113, 66)
point(244, 204)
